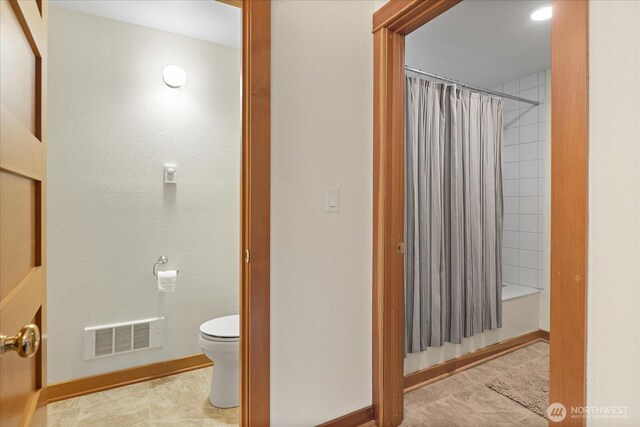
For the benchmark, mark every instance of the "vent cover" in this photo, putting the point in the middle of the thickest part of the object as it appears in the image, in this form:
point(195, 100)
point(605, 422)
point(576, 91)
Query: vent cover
point(108, 340)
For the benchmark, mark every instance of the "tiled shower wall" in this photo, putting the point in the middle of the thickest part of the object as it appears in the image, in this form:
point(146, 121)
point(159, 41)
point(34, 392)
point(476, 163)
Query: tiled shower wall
point(524, 169)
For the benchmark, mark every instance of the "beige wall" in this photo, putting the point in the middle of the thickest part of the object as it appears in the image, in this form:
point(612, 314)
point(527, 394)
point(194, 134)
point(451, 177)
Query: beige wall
point(322, 139)
point(613, 353)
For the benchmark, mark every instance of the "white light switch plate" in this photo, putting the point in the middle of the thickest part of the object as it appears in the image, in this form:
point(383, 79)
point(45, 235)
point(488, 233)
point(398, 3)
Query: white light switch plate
point(170, 174)
point(332, 201)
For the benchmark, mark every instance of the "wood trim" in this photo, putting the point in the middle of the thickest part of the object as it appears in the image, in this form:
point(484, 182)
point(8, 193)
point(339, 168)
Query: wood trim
point(544, 335)
point(405, 16)
point(352, 419)
point(255, 215)
point(569, 200)
point(109, 380)
point(236, 3)
point(388, 227)
point(569, 204)
point(449, 367)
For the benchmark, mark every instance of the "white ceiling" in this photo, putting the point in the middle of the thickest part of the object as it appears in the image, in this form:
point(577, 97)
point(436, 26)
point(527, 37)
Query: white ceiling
point(207, 20)
point(483, 42)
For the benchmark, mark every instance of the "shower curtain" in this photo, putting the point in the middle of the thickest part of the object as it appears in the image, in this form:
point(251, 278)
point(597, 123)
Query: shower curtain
point(454, 213)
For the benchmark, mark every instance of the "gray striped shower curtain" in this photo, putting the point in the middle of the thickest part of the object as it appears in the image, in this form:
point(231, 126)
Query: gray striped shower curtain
point(453, 214)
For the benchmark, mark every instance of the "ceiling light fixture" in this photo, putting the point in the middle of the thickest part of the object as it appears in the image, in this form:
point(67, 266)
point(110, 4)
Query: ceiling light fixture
point(542, 13)
point(174, 76)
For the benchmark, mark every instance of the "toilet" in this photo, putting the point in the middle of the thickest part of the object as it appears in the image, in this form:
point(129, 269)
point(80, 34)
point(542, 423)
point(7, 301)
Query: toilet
point(220, 342)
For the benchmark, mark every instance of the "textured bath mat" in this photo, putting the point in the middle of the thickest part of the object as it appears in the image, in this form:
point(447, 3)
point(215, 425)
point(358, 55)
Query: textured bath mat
point(527, 384)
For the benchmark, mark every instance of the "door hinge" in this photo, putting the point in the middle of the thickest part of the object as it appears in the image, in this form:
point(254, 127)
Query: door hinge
point(401, 248)
point(247, 256)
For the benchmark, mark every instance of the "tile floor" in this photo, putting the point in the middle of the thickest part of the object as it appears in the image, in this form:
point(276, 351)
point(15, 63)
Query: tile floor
point(178, 400)
point(463, 400)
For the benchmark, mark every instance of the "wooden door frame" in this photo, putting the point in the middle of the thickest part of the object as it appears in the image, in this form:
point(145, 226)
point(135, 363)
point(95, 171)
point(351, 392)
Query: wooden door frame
point(255, 213)
point(569, 190)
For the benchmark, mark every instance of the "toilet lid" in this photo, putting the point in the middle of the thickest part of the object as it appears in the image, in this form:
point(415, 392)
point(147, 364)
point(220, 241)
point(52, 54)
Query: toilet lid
point(225, 327)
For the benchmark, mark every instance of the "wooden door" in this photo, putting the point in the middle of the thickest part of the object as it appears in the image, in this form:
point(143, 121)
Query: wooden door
point(23, 44)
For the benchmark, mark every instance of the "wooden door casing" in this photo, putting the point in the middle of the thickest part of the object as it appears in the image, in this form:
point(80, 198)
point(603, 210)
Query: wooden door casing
point(23, 31)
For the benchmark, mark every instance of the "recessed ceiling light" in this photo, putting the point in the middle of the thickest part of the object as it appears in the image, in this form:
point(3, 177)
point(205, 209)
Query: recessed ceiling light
point(542, 13)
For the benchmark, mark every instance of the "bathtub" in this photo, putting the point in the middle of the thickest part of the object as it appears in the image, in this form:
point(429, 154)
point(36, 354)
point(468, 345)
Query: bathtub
point(511, 291)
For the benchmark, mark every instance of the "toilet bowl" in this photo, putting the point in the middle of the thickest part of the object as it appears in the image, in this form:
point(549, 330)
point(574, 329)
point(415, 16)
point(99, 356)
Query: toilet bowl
point(220, 341)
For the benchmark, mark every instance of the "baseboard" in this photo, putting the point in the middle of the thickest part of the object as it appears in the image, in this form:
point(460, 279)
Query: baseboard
point(442, 370)
point(109, 380)
point(353, 419)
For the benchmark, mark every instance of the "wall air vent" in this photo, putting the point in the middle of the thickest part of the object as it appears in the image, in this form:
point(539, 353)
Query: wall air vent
point(109, 340)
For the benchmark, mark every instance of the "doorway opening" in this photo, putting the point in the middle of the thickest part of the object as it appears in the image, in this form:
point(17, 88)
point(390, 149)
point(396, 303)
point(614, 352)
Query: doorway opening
point(564, 204)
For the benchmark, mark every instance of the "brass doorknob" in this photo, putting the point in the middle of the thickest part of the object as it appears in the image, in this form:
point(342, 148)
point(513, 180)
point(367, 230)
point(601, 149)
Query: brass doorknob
point(25, 343)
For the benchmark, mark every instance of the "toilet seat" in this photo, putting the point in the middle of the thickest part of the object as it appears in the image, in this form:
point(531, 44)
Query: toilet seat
point(222, 329)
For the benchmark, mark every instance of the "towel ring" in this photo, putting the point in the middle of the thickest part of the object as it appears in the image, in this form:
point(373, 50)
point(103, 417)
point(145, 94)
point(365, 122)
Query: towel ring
point(162, 260)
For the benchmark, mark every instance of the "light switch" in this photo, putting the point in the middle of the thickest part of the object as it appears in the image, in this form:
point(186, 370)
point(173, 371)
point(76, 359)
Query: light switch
point(332, 202)
point(170, 174)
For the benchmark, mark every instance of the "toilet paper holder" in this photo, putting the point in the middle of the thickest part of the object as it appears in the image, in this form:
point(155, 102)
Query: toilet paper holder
point(162, 260)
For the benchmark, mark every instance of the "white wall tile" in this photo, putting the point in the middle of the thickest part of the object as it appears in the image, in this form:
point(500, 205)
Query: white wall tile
point(541, 187)
point(528, 187)
point(528, 259)
point(542, 150)
point(530, 94)
point(524, 178)
point(528, 223)
point(510, 274)
point(541, 279)
point(511, 187)
point(528, 151)
point(511, 170)
point(528, 133)
point(542, 93)
point(511, 119)
point(512, 136)
point(529, 241)
point(511, 205)
point(528, 169)
point(511, 88)
point(511, 153)
point(541, 204)
point(542, 168)
point(529, 81)
point(529, 205)
point(528, 276)
point(511, 256)
point(510, 222)
point(529, 115)
point(511, 239)
point(510, 105)
point(541, 257)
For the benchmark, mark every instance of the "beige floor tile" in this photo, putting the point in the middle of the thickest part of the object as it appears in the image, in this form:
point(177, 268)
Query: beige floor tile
point(174, 399)
point(491, 405)
point(121, 412)
point(533, 420)
point(463, 400)
point(177, 400)
point(63, 418)
point(130, 392)
point(63, 405)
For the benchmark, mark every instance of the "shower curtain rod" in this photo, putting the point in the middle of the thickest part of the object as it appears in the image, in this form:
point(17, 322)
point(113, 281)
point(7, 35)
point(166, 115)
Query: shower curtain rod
point(473, 88)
